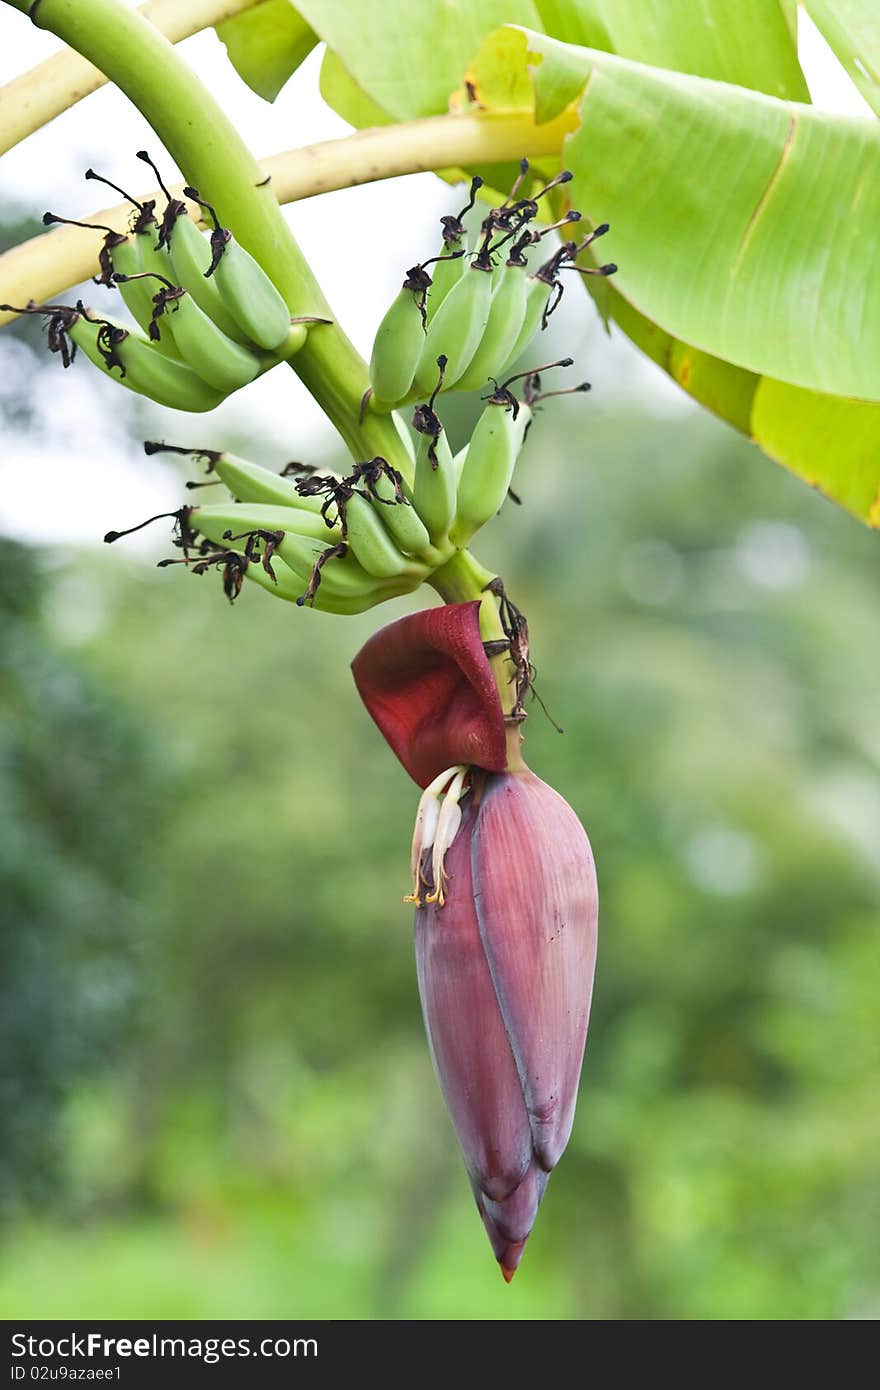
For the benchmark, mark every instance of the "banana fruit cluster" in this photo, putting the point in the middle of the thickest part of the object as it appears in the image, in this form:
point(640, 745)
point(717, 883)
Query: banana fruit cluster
point(345, 544)
point(316, 540)
point(481, 306)
point(207, 319)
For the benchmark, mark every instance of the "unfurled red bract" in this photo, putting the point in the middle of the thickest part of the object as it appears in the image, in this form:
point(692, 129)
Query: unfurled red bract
point(426, 682)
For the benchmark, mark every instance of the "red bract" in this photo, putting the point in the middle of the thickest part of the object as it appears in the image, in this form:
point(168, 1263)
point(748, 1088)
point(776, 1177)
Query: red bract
point(505, 974)
point(427, 683)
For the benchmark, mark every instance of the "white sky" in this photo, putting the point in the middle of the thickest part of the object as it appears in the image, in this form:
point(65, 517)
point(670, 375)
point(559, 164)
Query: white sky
point(75, 474)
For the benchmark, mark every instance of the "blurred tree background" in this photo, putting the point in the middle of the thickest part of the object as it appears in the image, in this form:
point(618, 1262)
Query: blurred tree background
point(216, 1093)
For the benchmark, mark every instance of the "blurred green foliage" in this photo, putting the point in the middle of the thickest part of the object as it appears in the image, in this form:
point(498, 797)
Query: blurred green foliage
point(219, 1097)
point(69, 751)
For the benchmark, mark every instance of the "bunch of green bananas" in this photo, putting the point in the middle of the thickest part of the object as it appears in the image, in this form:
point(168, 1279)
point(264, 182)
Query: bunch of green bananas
point(477, 311)
point(344, 544)
point(320, 540)
point(207, 319)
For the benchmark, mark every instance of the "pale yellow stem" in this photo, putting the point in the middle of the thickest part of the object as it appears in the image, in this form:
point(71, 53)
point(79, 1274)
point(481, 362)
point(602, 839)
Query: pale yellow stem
point(45, 266)
point(37, 97)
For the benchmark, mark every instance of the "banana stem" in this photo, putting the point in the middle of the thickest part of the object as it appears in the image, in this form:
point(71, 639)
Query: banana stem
point(207, 146)
point(37, 97)
point(461, 580)
point(440, 143)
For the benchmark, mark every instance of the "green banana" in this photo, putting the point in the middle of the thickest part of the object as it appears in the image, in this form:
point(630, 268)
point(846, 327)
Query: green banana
point(371, 544)
point(489, 464)
point(121, 255)
point(539, 288)
point(458, 325)
point(289, 585)
point(334, 580)
point(219, 360)
point(111, 346)
point(137, 254)
point(240, 518)
point(397, 345)
point(247, 291)
point(434, 484)
point(288, 582)
point(275, 504)
point(136, 293)
point(506, 316)
point(508, 310)
point(399, 338)
point(251, 483)
point(434, 488)
point(392, 500)
point(298, 550)
point(190, 258)
point(367, 538)
point(261, 317)
point(255, 303)
point(247, 482)
point(544, 290)
point(190, 254)
point(151, 260)
point(487, 468)
point(341, 577)
point(450, 268)
point(448, 273)
point(298, 539)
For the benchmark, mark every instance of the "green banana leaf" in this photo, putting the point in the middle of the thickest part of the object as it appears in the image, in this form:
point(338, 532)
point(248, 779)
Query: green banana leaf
point(830, 442)
point(744, 225)
point(399, 61)
point(347, 98)
point(266, 45)
point(395, 67)
point(852, 29)
point(751, 43)
point(408, 57)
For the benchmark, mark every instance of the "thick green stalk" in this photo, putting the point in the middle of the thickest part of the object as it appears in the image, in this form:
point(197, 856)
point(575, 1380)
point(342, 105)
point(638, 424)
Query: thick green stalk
point(461, 580)
point(207, 146)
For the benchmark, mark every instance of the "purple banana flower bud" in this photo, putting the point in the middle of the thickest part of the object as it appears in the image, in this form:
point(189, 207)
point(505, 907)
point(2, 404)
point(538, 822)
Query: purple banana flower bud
point(505, 970)
point(506, 913)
